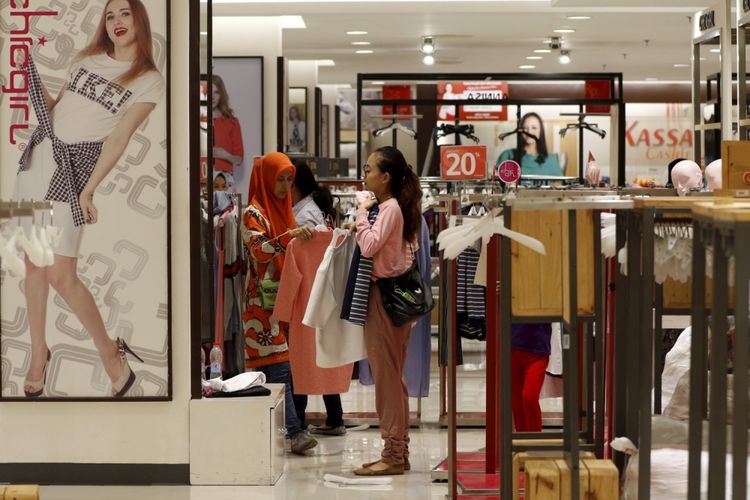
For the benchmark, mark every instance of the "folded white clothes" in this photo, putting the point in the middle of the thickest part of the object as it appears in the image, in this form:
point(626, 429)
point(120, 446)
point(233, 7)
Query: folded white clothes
point(359, 481)
point(357, 487)
point(238, 382)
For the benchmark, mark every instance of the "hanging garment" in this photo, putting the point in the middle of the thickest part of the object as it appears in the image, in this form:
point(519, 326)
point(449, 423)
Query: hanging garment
point(419, 350)
point(357, 292)
point(470, 298)
point(297, 279)
point(338, 341)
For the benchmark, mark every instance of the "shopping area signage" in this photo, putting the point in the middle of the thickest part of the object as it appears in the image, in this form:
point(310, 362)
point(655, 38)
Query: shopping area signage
point(463, 162)
point(478, 91)
point(708, 20)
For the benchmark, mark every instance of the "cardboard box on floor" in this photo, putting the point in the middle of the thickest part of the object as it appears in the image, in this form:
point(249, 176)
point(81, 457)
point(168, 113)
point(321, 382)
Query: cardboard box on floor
point(520, 458)
point(550, 479)
point(20, 492)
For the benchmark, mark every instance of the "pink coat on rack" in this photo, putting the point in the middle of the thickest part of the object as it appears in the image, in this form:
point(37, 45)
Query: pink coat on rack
point(297, 277)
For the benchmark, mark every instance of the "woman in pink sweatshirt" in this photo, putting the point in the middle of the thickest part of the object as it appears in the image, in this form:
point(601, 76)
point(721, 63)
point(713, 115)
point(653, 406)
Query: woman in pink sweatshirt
point(391, 242)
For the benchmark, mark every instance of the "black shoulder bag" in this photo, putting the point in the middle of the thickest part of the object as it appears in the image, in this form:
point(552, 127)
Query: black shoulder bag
point(406, 297)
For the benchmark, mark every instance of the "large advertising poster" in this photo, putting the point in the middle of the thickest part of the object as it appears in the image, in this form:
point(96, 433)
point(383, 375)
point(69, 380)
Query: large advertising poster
point(84, 119)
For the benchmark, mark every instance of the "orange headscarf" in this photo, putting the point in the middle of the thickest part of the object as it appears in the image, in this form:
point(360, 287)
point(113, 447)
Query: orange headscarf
point(262, 183)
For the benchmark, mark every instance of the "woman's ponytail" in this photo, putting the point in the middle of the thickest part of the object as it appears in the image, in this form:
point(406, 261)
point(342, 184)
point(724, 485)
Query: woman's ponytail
point(405, 188)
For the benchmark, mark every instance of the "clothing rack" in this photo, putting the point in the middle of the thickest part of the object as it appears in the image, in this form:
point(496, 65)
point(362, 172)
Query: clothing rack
point(590, 428)
point(10, 209)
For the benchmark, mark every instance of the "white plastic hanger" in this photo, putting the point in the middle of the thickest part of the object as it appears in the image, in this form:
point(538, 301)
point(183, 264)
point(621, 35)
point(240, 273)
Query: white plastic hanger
point(10, 259)
point(488, 225)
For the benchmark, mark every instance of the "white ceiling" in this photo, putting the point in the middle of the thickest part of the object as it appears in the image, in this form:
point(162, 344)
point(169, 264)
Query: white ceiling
point(489, 36)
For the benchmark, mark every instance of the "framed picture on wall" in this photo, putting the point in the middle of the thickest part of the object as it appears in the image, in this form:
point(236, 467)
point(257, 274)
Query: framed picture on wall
point(107, 337)
point(239, 131)
point(297, 120)
point(324, 130)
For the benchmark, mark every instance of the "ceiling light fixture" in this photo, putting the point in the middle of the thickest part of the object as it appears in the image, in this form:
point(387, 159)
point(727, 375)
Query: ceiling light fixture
point(716, 51)
point(542, 51)
point(534, 58)
point(363, 52)
point(564, 30)
point(579, 18)
point(681, 65)
point(326, 62)
point(428, 60)
point(377, 83)
point(527, 66)
point(564, 57)
point(428, 45)
point(360, 43)
point(355, 33)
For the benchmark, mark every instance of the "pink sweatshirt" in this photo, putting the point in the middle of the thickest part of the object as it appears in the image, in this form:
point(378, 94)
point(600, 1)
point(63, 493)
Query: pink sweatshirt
point(384, 241)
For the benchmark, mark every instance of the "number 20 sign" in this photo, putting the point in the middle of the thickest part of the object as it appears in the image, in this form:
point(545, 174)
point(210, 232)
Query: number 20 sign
point(463, 162)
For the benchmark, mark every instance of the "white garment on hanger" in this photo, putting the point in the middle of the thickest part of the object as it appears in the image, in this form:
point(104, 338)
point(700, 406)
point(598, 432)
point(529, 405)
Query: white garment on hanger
point(454, 240)
point(338, 342)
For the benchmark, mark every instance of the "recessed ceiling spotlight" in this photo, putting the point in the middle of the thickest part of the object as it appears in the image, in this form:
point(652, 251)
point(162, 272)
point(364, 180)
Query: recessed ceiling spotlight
point(564, 30)
point(428, 60)
point(564, 57)
point(360, 43)
point(681, 65)
point(534, 58)
point(579, 18)
point(542, 51)
point(428, 45)
point(363, 52)
point(527, 66)
point(356, 33)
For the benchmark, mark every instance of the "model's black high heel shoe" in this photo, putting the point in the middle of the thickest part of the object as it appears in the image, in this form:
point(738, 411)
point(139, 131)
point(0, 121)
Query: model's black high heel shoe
point(122, 385)
point(34, 389)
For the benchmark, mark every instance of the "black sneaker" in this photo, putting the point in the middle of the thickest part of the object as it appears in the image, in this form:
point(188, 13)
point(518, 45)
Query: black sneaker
point(339, 430)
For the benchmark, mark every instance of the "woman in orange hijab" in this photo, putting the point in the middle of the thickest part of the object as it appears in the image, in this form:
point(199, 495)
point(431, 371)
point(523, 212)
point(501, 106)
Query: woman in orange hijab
point(267, 228)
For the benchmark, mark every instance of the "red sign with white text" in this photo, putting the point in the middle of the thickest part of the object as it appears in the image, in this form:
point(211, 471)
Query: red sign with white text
point(463, 162)
point(479, 91)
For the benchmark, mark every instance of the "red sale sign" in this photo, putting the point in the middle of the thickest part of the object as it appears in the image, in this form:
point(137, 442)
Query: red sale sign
point(463, 162)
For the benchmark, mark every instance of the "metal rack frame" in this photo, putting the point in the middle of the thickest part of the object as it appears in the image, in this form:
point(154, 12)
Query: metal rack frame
point(728, 235)
point(616, 101)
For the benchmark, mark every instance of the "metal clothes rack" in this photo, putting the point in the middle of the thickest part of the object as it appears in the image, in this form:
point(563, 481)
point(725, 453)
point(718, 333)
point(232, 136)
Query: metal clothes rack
point(579, 423)
point(725, 228)
point(639, 326)
point(616, 101)
point(10, 209)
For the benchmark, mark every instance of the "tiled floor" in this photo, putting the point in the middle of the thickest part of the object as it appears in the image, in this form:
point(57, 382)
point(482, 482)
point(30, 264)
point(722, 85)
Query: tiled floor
point(303, 476)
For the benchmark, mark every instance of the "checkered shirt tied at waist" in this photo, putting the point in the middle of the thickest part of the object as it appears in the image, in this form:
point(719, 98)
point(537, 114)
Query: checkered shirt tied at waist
point(75, 162)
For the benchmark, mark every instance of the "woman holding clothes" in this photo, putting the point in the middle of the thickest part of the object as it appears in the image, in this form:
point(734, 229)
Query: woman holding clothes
point(267, 228)
point(313, 206)
point(391, 242)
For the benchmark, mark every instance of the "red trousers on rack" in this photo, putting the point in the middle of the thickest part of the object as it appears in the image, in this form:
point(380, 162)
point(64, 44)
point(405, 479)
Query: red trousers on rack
point(526, 385)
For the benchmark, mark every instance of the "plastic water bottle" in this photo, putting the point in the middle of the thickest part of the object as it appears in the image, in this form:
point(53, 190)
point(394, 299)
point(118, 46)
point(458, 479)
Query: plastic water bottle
point(215, 357)
point(203, 364)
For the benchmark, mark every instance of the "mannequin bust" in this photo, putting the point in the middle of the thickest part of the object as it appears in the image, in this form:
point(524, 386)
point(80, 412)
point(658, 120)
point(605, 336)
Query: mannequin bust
point(686, 175)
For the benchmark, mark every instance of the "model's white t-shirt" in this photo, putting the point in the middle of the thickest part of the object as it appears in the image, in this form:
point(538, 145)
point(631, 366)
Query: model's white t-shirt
point(93, 103)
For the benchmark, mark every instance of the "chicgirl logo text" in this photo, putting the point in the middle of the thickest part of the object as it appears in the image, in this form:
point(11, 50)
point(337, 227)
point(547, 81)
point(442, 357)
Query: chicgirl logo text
point(17, 87)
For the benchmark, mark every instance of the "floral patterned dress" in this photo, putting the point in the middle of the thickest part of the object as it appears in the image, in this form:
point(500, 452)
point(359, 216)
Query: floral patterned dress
point(265, 338)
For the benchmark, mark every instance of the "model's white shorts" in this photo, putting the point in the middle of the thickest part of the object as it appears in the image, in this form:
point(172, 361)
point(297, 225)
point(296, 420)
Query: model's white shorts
point(32, 184)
